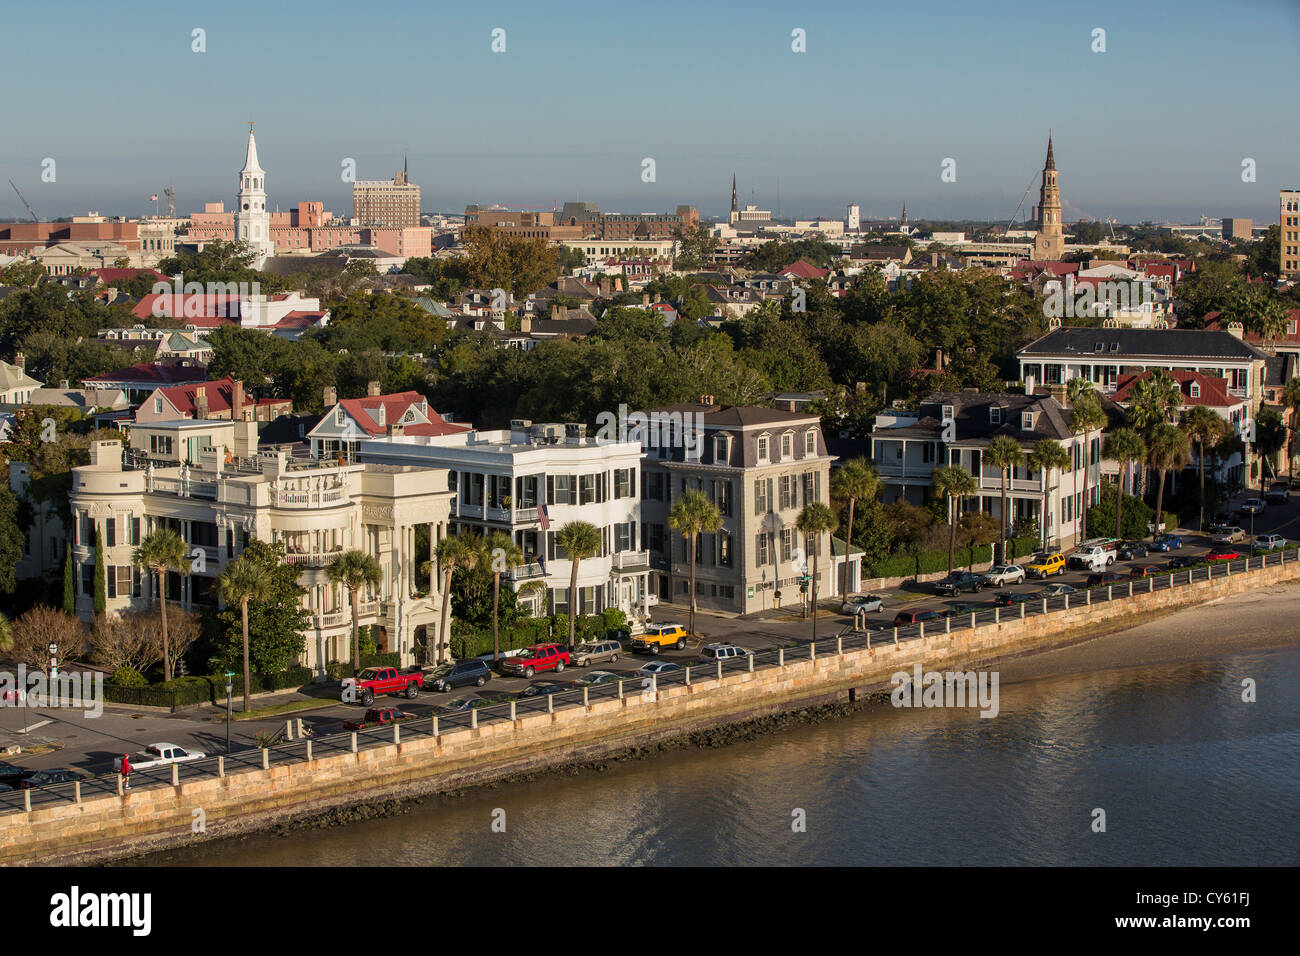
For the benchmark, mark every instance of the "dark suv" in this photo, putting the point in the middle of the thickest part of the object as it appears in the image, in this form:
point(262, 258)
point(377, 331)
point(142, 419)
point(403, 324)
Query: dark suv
point(959, 581)
point(451, 676)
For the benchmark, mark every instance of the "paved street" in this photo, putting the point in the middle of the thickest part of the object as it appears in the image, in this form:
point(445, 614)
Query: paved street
point(91, 744)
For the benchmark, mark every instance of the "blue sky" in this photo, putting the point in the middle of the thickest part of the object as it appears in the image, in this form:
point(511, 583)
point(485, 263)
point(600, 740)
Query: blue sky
point(1156, 127)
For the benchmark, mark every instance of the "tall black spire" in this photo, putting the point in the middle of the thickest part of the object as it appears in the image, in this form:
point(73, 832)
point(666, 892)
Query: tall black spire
point(734, 207)
point(1051, 160)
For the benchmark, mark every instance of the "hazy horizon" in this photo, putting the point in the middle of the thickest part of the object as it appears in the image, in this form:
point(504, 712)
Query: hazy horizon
point(1152, 129)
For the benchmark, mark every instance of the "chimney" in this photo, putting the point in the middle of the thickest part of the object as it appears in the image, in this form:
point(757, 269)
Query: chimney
point(706, 399)
point(201, 403)
point(1236, 329)
point(938, 360)
point(645, 300)
point(331, 396)
point(396, 430)
point(525, 323)
point(372, 389)
point(236, 401)
point(1060, 393)
point(63, 383)
point(20, 360)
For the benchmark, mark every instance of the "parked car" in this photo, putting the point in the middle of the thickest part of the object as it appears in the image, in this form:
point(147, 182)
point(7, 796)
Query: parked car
point(1102, 577)
point(1094, 555)
point(376, 716)
point(459, 704)
point(867, 602)
point(591, 678)
point(1279, 493)
point(1129, 550)
point(1223, 552)
point(595, 652)
point(158, 755)
point(1267, 542)
point(1008, 598)
point(657, 668)
point(1044, 565)
point(1055, 590)
point(903, 618)
point(1139, 571)
point(1182, 561)
point(1167, 542)
point(11, 774)
point(535, 659)
point(373, 681)
point(1222, 520)
point(959, 607)
point(1230, 535)
point(462, 673)
point(1000, 575)
point(1254, 506)
point(723, 652)
point(46, 778)
point(544, 688)
point(959, 581)
point(659, 636)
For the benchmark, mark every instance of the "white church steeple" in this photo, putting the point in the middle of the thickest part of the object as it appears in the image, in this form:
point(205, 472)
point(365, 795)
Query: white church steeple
point(252, 221)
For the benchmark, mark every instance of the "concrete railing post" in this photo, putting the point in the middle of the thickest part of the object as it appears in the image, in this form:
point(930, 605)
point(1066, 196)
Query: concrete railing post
point(751, 660)
point(76, 789)
point(513, 711)
point(1087, 597)
point(654, 686)
point(812, 651)
point(895, 637)
point(947, 625)
point(27, 798)
point(176, 775)
point(997, 615)
point(1151, 584)
point(354, 742)
point(221, 771)
point(1067, 603)
point(397, 733)
point(550, 703)
point(1110, 592)
point(434, 729)
point(585, 700)
point(288, 730)
point(119, 778)
point(780, 657)
point(1130, 587)
point(719, 663)
point(620, 689)
point(688, 675)
point(839, 647)
point(972, 619)
point(473, 715)
point(309, 757)
point(266, 758)
point(1022, 610)
point(920, 630)
point(868, 642)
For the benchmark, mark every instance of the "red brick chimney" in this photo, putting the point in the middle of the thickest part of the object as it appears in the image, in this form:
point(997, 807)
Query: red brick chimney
point(237, 401)
point(201, 402)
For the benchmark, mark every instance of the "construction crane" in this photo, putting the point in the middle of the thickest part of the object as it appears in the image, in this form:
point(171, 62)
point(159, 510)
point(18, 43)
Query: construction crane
point(30, 211)
point(1021, 204)
point(170, 193)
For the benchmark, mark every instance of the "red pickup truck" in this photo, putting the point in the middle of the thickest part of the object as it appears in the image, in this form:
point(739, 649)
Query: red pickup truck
point(539, 657)
point(381, 680)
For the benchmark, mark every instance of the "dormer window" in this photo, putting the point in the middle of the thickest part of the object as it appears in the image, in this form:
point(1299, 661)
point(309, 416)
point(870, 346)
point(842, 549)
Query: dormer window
point(948, 413)
point(763, 449)
point(340, 416)
point(787, 446)
point(1114, 346)
point(721, 450)
point(1099, 347)
point(1195, 390)
point(995, 415)
point(810, 443)
point(1027, 421)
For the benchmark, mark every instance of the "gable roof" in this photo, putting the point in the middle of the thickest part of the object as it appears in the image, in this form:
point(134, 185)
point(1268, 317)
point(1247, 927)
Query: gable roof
point(149, 373)
point(15, 376)
point(366, 413)
point(1213, 390)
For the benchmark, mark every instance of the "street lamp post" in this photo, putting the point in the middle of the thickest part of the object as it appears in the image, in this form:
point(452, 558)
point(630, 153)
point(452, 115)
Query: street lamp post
point(230, 676)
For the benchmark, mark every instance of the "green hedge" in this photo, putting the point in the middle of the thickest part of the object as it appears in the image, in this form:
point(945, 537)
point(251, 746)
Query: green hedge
point(932, 562)
point(203, 690)
point(472, 642)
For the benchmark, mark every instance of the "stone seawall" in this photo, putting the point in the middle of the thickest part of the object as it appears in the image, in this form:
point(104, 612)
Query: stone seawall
point(104, 827)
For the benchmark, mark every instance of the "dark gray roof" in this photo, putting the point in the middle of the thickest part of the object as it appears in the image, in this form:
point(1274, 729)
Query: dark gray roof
point(971, 413)
point(1144, 343)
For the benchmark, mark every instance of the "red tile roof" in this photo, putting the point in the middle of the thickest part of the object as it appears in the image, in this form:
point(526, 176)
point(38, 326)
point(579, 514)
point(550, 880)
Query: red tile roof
point(1214, 320)
point(804, 270)
point(219, 394)
point(363, 411)
point(1214, 391)
point(111, 275)
point(148, 373)
point(172, 306)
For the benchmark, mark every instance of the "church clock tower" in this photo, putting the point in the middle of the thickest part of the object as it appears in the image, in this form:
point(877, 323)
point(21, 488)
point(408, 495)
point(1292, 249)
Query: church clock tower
point(1050, 241)
point(252, 221)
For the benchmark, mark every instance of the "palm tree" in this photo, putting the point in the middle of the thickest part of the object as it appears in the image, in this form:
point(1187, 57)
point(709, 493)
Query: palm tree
point(161, 551)
point(1152, 400)
point(855, 479)
point(1048, 456)
point(1079, 389)
point(954, 483)
point(577, 539)
point(451, 553)
point(242, 580)
point(694, 514)
point(1166, 450)
point(1206, 428)
point(814, 519)
point(1004, 453)
point(1125, 446)
point(354, 570)
point(1086, 416)
point(1291, 402)
point(505, 556)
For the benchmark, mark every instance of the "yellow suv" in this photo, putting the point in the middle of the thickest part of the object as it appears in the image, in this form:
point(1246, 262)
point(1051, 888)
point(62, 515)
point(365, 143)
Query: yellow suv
point(659, 636)
point(1045, 565)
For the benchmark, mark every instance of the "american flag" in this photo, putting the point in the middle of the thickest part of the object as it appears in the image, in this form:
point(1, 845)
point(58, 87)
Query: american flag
point(543, 518)
point(153, 198)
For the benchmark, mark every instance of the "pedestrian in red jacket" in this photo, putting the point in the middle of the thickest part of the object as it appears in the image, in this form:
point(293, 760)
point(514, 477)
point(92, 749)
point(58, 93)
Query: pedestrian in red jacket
point(126, 771)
